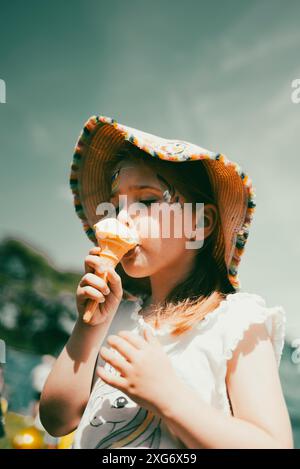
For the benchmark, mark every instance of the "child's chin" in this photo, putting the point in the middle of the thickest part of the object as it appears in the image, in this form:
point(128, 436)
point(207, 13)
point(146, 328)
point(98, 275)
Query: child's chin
point(134, 269)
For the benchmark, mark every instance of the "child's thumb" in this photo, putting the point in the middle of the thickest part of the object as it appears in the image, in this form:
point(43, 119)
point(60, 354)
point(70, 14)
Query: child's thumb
point(95, 250)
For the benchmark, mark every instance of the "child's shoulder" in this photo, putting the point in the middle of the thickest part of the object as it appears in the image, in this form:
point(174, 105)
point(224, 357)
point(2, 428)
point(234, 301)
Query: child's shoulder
point(222, 330)
point(242, 309)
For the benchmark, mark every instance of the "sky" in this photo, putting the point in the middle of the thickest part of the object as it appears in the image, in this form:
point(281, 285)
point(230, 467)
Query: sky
point(217, 74)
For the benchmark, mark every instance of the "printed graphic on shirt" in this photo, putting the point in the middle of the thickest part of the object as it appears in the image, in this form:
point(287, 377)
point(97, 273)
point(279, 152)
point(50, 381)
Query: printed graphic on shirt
point(113, 420)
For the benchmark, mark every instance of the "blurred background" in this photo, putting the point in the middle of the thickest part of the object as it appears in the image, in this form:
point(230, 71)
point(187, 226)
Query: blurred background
point(215, 73)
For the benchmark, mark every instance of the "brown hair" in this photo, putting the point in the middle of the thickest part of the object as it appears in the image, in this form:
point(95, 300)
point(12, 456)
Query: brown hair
point(207, 284)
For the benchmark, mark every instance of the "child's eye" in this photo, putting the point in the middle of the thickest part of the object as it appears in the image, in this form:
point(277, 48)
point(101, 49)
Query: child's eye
point(146, 202)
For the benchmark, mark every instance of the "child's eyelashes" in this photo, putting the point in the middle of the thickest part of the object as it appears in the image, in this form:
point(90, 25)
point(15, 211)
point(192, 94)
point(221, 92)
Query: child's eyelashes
point(146, 202)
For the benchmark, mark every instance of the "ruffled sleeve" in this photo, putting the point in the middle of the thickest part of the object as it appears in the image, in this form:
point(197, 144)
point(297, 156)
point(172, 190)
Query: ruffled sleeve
point(245, 309)
point(235, 316)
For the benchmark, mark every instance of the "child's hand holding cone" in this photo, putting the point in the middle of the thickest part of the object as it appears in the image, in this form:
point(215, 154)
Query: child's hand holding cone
point(93, 289)
point(115, 240)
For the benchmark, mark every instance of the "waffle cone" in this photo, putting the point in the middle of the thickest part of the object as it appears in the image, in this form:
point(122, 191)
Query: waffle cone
point(115, 248)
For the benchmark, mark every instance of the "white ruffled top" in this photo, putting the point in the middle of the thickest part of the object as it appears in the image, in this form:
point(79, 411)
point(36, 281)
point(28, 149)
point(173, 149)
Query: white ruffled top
point(199, 357)
point(254, 311)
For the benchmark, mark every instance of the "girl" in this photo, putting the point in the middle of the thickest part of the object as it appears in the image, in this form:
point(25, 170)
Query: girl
point(190, 361)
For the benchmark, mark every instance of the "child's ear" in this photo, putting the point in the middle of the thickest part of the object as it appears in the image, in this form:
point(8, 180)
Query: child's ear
point(210, 218)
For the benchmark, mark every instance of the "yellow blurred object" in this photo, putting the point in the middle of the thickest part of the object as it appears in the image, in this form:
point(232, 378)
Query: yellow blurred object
point(4, 405)
point(28, 438)
point(65, 442)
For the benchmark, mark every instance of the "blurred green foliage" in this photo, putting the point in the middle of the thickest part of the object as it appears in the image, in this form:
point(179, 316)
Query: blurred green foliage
point(37, 301)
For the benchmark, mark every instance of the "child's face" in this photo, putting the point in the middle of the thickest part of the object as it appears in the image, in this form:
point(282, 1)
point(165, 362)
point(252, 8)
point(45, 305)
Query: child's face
point(160, 249)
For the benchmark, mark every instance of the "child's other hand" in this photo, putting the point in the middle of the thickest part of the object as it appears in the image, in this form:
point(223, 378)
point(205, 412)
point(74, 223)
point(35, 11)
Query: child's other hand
point(93, 287)
point(146, 373)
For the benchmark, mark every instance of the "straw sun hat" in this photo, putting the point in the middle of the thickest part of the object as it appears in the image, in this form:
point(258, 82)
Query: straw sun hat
point(102, 137)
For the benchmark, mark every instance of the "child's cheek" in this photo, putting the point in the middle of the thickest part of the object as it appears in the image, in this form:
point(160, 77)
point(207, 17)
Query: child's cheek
point(149, 228)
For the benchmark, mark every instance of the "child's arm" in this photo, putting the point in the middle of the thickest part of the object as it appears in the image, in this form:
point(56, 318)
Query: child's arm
point(69, 383)
point(260, 419)
point(68, 386)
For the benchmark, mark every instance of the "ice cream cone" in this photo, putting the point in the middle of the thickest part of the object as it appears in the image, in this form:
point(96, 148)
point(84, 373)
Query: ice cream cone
point(115, 240)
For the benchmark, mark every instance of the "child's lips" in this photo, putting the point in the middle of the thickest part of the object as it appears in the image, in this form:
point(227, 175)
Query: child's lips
point(133, 251)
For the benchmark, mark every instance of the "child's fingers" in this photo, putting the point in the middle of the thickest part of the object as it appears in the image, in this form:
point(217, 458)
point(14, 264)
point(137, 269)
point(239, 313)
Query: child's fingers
point(91, 293)
point(115, 282)
point(87, 266)
point(95, 250)
point(93, 263)
point(95, 281)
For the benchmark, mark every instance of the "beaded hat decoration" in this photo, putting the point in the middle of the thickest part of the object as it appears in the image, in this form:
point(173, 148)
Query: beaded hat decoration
point(101, 139)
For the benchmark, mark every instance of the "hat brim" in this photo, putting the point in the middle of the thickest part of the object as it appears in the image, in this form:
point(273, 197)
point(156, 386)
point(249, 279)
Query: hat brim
point(101, 139)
